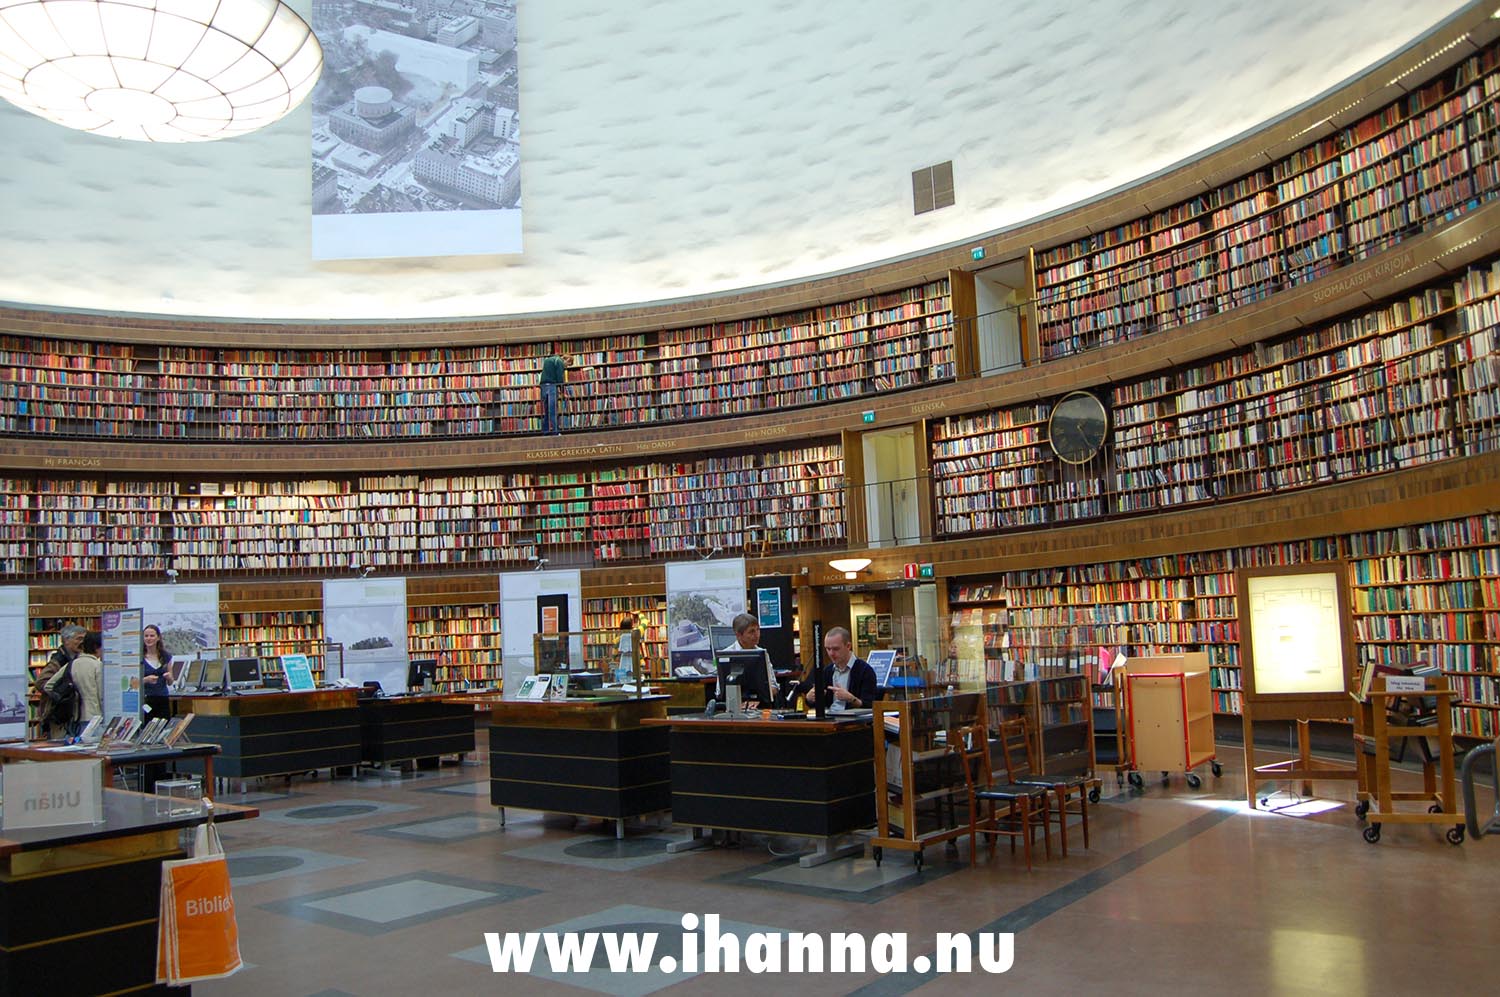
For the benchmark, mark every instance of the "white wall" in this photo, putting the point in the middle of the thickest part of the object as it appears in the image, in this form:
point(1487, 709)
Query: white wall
point(676, 148)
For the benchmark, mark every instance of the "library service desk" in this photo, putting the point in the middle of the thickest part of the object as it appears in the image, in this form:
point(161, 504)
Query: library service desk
point(79, 904)
point(810, 778)
point(269, 732)
point(586, 756)
point(414, 726)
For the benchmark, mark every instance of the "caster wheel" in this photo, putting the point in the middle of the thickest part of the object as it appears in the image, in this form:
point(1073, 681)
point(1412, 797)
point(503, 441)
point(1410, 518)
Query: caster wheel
point(1455, 835)
point(1136, 780)
point(1265, 801)
point(1166, 778)
point(1094, 796)
point(918, 861)
point(1372, 833)
point(1193, 781)
point(1434, 809)
point(1361, 809)
point(1218, 770)
point(877, 853)
point(1119, 780)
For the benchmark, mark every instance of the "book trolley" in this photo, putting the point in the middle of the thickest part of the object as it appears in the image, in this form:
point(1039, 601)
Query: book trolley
point(1380, 722)
point(914, 766)
point(1164, 717)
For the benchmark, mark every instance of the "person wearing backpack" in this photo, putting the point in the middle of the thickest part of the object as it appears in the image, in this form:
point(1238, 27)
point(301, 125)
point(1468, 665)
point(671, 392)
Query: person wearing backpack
point(84, 675)
point(71, 637)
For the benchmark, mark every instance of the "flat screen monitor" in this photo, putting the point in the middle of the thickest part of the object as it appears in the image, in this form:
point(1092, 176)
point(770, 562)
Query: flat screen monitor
point(721, 638)
point(192, 674)
point(747, 669)
point(421, 673)
point(244, 673)
point(213, 674)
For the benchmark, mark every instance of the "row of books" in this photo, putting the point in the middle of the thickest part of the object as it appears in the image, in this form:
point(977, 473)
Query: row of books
point(1414, 163)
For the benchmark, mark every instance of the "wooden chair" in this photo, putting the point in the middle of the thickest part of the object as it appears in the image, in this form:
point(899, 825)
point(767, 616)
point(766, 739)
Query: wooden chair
point(1026, 806)
point(1017, 751)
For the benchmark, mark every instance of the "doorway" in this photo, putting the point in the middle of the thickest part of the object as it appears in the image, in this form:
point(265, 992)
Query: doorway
point(1000, 293)
point(892, 515)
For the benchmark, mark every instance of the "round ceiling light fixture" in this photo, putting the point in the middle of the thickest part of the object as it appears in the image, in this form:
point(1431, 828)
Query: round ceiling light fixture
point(157, 70)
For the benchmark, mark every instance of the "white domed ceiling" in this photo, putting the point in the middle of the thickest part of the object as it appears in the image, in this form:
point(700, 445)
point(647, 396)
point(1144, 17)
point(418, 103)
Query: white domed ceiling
point(677, 148)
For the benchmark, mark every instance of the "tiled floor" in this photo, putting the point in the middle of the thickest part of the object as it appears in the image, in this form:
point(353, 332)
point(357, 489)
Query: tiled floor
point(389, 886)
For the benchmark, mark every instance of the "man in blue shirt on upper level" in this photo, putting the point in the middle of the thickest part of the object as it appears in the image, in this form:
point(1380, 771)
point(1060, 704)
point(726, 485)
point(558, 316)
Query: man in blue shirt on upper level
point(554, 376)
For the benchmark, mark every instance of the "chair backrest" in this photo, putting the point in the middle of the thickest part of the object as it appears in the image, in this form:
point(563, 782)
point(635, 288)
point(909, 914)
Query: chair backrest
point(971, 743)
point(1014, 739)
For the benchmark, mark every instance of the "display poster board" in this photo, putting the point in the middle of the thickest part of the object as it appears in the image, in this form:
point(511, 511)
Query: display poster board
point(1293, 626)
point(523, 595)
point(700, 595)
point(1297, 655)
point(15, 658)
point(186, 615)
point(120, 631)
point(368, 617)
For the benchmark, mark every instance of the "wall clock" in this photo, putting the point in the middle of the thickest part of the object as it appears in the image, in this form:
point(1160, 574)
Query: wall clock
point(1077, 427)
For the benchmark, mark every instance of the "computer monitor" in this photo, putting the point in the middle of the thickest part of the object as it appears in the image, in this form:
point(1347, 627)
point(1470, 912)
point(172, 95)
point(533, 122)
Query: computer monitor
point(720, 637)
point(192, 675)
point(244, 673)
point(421, 673)
point(748, 669)
point(213, 674)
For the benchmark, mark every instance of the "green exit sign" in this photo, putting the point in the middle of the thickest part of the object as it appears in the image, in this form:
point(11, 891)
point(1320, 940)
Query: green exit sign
point(977, 253)
point(867, 416)
point(925, 571)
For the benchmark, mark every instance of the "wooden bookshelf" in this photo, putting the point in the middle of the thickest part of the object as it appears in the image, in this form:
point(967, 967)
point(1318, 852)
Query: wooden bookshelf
point(455, 620)
point(867, 346)
point(73, 527)
point(602, 614)
point(1410, 382)
point(267, 620)
point(1418, 162)
point(1420, 593)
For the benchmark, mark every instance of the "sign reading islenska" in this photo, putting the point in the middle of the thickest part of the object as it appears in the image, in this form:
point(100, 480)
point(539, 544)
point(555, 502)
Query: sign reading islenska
point(416, 142)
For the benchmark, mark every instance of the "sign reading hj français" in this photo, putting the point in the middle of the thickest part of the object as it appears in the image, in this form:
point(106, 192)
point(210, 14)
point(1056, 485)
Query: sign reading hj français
point(47, 794)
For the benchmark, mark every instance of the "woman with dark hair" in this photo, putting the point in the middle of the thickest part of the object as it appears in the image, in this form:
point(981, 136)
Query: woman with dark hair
point(156, 672)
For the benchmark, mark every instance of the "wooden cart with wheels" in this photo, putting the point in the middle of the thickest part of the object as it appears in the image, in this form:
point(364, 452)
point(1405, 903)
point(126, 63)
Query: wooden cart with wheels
point(919, 784)
point(1398, 708)
point(1164, 721)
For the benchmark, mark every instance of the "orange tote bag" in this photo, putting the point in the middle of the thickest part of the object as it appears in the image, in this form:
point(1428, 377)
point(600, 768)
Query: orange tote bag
point(198, 938)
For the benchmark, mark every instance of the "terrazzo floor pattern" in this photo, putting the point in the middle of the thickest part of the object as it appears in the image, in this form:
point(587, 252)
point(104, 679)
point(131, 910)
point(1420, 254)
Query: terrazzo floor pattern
point(388, 886)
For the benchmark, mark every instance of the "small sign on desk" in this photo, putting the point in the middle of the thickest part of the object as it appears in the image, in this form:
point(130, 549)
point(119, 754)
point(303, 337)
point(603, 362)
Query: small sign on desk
point(48, 794)
point(1405, 683)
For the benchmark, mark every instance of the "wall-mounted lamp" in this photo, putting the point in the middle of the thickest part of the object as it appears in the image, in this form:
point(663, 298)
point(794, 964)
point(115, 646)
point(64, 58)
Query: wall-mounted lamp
point(541, 562)
point(705, 555)
point(850, 566)
point(172, 575)
point(365, 571)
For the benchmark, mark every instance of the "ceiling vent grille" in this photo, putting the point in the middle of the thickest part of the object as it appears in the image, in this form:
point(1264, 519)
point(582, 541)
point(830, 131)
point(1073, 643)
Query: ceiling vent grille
point(932, 188)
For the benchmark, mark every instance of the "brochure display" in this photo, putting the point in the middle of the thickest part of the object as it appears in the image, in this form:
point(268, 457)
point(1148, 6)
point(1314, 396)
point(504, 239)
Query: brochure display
point(1298, 653)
